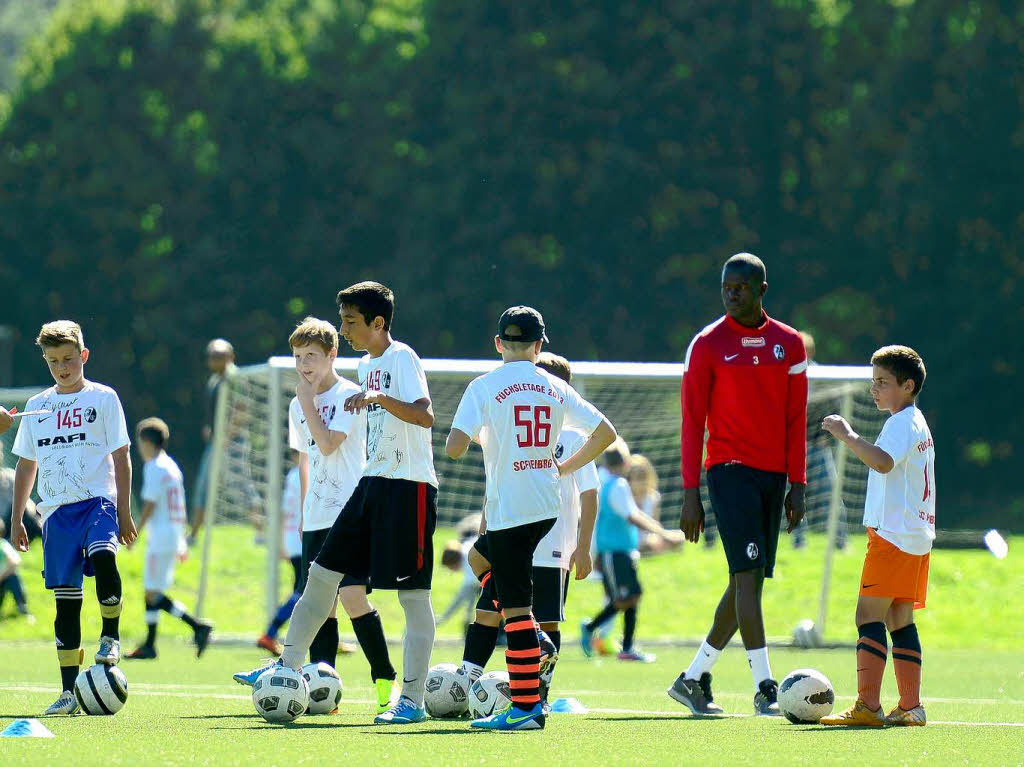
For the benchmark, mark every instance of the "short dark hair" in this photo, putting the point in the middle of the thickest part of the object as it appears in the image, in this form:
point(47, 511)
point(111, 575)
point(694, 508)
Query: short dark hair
point(750, 264)
point(904, 363)
point(556, 365)
point(371, 299)
point(616, 454)
point(153, 430)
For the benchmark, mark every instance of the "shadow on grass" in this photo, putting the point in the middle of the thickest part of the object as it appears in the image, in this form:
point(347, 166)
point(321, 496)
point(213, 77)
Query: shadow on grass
point(681, 719)
point(447, 731)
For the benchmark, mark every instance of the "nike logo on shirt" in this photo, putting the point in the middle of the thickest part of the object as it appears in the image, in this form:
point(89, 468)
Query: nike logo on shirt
point(730, 357)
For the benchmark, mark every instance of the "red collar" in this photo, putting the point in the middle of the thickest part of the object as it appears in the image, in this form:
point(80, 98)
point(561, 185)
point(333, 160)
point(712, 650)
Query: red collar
point(744, 330)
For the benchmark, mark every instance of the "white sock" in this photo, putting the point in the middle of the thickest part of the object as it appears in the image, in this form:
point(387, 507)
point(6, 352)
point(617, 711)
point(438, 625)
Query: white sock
point(472, 670)
point(419, 641)
point(702, 661)
point(310, 613)
point(759, 668)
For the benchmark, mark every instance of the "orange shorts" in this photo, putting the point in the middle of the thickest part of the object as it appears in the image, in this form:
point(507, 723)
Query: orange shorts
point(891, 572)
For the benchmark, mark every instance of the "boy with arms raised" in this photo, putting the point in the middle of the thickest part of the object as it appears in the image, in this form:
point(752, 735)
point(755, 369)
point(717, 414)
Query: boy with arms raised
point(383, 535)
point(899, 514)
point(80, 451)
point(566, 545)
point(163, 496)
point(516, 413)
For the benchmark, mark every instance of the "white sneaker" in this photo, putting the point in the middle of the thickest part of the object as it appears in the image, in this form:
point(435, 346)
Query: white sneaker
point(65, 705)
point(109, 652)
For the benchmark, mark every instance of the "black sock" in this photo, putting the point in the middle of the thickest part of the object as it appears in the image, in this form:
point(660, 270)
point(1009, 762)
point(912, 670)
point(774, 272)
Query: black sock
point(67, 630)
point(108, 591)
point(324, 646)
point(628, 627)
point(609, 610)
point(370, 635)
point(68, 675)
point(480, 643)
point(151, 635)
point(176, 609)
point(556, 639)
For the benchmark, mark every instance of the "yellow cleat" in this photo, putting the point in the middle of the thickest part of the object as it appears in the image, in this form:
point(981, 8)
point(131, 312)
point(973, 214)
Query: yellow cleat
point(858, 715)
point(383, 687)
point(605, 647)
point(912, 718)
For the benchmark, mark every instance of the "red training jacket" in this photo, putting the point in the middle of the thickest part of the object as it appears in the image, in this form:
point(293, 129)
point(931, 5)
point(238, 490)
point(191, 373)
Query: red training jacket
point(749, 386)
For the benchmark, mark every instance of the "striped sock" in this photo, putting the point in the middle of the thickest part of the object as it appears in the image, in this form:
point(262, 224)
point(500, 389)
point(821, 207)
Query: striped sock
point(906, 661)
point(871, 655)
point(523, 660)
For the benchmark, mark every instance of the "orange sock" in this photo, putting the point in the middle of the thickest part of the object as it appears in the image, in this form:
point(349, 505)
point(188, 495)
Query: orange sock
point(871, 655)
point(906, 661)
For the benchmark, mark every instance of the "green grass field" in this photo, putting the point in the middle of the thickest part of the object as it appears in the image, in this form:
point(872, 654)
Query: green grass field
point(184, 711)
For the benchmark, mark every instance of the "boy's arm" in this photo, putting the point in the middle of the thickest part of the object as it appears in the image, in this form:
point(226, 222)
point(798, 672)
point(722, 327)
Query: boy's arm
point(418, 413)
point(123, 482)
point(147, 512)
point(871, 455)
point(24, 479)
point(457, 443)
point(5, 419)
point(581, 559)
point(303, 485)
point(328, 441)
point(596, 444)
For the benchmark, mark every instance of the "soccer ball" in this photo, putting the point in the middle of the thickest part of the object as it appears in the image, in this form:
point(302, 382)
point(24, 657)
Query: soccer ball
point(805, 696)
point(101, 689)
point(324, 687)
point(806, 635)
point(280, 694)
point(447, 691)
point(489, 694)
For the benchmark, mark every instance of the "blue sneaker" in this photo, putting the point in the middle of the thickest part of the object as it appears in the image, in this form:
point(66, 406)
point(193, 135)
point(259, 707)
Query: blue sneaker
point(586, 639)
point(403, 712)
point(513, 718)
point(248, 678)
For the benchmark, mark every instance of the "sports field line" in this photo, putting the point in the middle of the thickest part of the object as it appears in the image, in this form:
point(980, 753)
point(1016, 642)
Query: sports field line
point(745, 695)
point(682, 714)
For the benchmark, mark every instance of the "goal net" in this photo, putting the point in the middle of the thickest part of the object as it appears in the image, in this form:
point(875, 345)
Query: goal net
point(640, 399)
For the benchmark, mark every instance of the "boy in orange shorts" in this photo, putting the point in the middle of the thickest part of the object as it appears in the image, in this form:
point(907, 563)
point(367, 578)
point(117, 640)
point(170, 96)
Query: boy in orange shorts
point(899, 513)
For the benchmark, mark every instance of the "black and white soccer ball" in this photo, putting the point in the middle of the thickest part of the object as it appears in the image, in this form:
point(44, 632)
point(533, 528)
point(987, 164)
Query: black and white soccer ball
point(446, 694)
point(101, 689)
point(280, 694)
point(805, 696)
point(489, 694)
point(324, 687)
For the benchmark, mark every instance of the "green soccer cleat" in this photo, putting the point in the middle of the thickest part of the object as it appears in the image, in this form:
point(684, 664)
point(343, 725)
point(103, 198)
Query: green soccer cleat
point(383, 687)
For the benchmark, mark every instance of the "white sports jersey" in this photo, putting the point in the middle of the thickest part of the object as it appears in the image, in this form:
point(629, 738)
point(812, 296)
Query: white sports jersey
point(331, 479)
point(291, 513)
point(72, 445)
point(394, 448)
point(900, 505)
point(516, 412)
point(162, 486)
point(555, 548)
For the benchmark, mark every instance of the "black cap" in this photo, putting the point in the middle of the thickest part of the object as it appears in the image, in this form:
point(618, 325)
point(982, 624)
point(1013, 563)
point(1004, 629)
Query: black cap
point(521, 323)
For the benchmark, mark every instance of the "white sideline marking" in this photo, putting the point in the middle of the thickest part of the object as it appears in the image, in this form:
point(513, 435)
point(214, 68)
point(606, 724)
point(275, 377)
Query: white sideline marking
point(745, 695)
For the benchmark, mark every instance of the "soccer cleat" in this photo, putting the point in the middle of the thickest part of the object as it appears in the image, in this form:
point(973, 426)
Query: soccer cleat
point(512, 719)
point(346, 648)
point(248, 678)
point(695, 695)
point(638, 655)
point(110, 651)
point(548, 651)
point(383, 687)
point(270, 644)
point(605, 647)
point(65, 705)
point(586, 639)
point(403, 712)
point(201, 637)
point(913, 718)
point(766, 699)
point(142, 652)
point(857, 715)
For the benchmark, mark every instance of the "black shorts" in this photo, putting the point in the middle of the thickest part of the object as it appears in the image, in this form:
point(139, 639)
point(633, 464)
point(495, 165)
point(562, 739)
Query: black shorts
point(619, 575)
point(384, 535)
point(298, 582)
point(550, 589)
point(748, 507)
point(312, 542)
point(510, 552)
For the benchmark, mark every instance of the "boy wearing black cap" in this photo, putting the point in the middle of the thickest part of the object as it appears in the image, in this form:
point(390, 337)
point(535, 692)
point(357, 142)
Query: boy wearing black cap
point(516, 413)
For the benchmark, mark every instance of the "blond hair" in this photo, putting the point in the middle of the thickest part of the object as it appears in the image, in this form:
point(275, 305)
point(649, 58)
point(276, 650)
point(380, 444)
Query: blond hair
point(60, 332)
point(642, 475)
point(313, 331)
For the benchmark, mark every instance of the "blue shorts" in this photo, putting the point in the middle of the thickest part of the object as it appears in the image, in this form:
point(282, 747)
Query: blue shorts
point(72, 534)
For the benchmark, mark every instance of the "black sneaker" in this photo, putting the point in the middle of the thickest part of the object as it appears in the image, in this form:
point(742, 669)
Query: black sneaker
point(695, 695)
point(766, 699)
point(202, 637)
point(142, 652)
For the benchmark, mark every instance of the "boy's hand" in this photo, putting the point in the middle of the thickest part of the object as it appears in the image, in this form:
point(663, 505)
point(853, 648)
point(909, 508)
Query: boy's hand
point(19, 535)
point(5, 418)
point(838, 427)
point(795, 504)
point(304, 389)
point(691, 522)
point(126, 527)
point(673, 537)
point(582, 562)
point(364, 399)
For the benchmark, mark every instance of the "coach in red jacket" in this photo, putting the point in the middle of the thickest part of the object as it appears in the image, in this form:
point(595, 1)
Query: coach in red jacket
point(745, 381)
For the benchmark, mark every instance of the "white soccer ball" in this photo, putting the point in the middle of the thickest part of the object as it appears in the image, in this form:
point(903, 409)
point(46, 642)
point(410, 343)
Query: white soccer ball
point(280, 694)
point(446, 694)
point(324, 687)
point(806, 635)
point(805, 696)
point(489, 694)
point(101, 689)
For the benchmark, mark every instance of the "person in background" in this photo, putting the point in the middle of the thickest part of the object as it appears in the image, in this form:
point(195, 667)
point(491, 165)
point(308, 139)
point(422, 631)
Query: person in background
point(220, 361)
point(10, 581)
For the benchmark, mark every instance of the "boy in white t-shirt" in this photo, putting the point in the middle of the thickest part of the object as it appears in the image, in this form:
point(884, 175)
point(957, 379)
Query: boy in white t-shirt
point(80, 452)
point(516, 412)
point(163, 511)
point(899, 514)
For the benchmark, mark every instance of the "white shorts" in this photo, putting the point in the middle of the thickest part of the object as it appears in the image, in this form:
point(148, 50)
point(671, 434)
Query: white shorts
point(158, 571)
